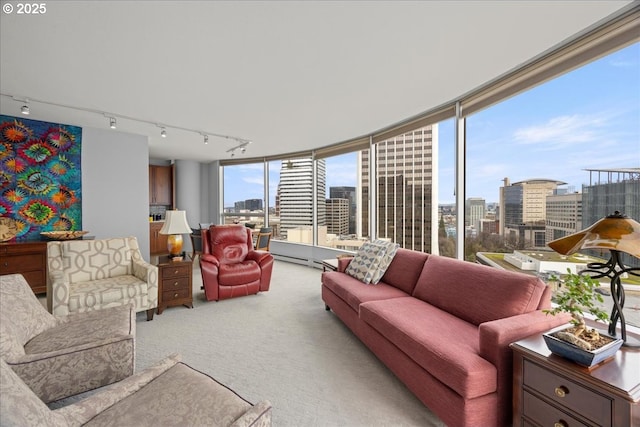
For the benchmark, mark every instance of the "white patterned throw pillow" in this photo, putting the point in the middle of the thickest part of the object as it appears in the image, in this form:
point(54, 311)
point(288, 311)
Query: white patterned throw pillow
point(371, 261)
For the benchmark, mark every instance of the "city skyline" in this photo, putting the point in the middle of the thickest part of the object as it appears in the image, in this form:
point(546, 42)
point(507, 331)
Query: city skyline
point(586, 119)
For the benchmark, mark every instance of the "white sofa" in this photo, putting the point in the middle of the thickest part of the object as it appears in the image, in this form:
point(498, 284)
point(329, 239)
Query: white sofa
point(86, 275)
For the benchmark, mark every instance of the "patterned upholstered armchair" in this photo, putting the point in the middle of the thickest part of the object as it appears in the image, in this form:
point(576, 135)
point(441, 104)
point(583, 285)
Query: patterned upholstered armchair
point(85, 275)
point(60, 357)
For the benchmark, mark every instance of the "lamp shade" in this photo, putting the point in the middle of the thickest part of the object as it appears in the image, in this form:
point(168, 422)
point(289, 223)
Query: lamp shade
point(175, 223)
point(615, 232)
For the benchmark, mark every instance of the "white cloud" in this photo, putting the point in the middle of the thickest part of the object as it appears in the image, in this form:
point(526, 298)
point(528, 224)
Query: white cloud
point(564, 130)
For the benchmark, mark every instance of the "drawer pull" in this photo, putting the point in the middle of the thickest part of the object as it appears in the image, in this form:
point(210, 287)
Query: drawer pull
point(560, 423)
point(175, 295)
point(176, 272)
point(561, 391)
point(175, 283)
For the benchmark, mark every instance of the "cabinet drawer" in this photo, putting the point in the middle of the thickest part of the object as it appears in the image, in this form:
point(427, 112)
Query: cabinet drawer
point(177, 271)
point(568, 394)
point(175, 284)
point(19, 263)
point(545, 414)
point(168, 296)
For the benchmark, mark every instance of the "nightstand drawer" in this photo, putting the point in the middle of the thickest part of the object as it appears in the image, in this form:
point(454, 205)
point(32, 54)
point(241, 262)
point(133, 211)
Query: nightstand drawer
point(545, 414)
point(567, 393)
point(175, 284)
point(177, 271)
point(168, 296)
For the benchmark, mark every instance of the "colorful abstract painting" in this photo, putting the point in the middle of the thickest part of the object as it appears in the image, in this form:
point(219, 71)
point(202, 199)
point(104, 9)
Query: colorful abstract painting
point(40, 176)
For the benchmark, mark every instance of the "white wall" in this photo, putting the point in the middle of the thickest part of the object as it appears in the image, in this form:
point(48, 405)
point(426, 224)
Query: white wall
point(115, 185)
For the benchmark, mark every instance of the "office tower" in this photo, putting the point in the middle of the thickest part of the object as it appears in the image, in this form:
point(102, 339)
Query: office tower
point(239, 206)
point(296, 195)
point(523, 211)
point(348, 193)
point(475, 209)
point(564, 215)
point(406, 200)
point(611, 190)
point(253, 204)
point(338, 216)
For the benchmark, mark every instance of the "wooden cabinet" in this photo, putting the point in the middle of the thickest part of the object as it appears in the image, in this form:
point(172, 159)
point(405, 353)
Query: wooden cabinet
point(175, 283)
point(28, 259)
point(157, 242)
point(161, 185)
point(549, 390)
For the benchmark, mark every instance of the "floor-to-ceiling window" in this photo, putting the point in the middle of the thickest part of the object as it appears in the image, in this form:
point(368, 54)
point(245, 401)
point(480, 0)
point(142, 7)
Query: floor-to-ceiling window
point(244, 189)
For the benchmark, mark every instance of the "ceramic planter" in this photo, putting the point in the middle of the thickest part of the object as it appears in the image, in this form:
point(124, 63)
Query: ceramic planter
point(587, 358)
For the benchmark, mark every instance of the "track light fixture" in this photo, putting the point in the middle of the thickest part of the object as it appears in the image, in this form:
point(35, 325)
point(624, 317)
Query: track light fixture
point(242, 146)
point(24, 109)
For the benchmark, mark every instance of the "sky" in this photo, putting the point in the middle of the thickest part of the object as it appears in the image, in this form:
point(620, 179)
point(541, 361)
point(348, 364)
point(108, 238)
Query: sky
point(588, 118)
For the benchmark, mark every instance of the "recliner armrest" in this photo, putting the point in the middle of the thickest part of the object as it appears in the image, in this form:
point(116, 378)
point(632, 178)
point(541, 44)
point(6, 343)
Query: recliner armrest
point(208, 258)
point(259, 256)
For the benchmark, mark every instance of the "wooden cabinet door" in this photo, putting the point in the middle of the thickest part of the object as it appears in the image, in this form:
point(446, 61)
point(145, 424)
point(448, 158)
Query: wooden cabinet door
point(158, 242)
point(161, 185)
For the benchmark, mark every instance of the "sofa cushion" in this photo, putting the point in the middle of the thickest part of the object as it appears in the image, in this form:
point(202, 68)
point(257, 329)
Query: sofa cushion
point(477, 293)
point(371, 261)
point(404, 270)
point(86, 260)
point(444, 345)
point(354, 293)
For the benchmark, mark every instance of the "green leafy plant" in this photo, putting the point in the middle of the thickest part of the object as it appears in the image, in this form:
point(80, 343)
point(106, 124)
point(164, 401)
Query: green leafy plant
point(576, 297)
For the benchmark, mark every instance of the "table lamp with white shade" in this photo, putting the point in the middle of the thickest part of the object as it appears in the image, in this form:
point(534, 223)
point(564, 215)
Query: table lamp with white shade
point(175, 225)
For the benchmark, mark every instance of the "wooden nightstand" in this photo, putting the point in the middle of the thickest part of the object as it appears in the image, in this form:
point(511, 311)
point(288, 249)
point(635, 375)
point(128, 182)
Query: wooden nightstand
point(174, 283)
point(551, 391)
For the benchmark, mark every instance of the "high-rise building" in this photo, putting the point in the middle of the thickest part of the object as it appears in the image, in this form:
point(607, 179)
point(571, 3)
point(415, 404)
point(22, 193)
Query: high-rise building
point(406, 199)
point(253, 204)
point(475, 209)
point(238, 206)
point(295, 195)
point(348, 193)
point(611, 190)
point(338, 216)
point(523, 211)
point(564, 215)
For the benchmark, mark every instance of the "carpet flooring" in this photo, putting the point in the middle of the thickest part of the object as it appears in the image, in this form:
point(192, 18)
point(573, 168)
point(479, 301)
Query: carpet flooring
point(283, 346)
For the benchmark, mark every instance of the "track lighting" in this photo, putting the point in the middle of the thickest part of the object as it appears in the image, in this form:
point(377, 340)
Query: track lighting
point(112, 122)
point(25, 109)
point(206, 139)
point(163, 133)
point(233, 153)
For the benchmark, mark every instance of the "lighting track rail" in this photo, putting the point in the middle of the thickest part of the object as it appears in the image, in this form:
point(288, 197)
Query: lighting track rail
point(243, 142)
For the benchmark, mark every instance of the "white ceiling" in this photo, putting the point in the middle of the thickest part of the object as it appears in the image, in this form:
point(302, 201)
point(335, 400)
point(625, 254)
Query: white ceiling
point(287, 75)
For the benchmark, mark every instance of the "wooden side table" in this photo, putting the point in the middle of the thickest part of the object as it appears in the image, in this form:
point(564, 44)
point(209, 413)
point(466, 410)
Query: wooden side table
point(330, 264)
point(549, 390)
point(174, 283)
point(28, 258)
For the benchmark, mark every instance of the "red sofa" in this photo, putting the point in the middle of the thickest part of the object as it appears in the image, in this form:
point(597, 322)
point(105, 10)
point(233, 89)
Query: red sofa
point(444, 326)
point(230, 266)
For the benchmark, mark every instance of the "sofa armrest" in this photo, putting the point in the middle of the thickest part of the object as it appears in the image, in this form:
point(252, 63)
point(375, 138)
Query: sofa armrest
point(258, 415)
point(495, 336)
point(343, 263)
point(149, 274)
point(81, 412)
point(58, 291)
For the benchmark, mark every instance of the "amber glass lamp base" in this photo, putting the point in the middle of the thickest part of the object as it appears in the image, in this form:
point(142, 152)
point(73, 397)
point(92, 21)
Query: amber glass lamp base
point(174, 244)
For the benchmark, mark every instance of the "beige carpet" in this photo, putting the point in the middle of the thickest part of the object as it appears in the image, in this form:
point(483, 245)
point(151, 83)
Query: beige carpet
point(283, 346)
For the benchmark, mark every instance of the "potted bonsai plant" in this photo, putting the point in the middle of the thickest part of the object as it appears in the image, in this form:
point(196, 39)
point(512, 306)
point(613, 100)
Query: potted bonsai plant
point(578, 342)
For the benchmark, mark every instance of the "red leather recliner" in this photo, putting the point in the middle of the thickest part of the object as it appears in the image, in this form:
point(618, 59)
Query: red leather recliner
point(230, 266)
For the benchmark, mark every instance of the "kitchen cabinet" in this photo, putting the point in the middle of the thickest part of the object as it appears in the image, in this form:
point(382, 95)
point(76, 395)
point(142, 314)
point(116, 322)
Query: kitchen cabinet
point(158, 242)
point(161, 185)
